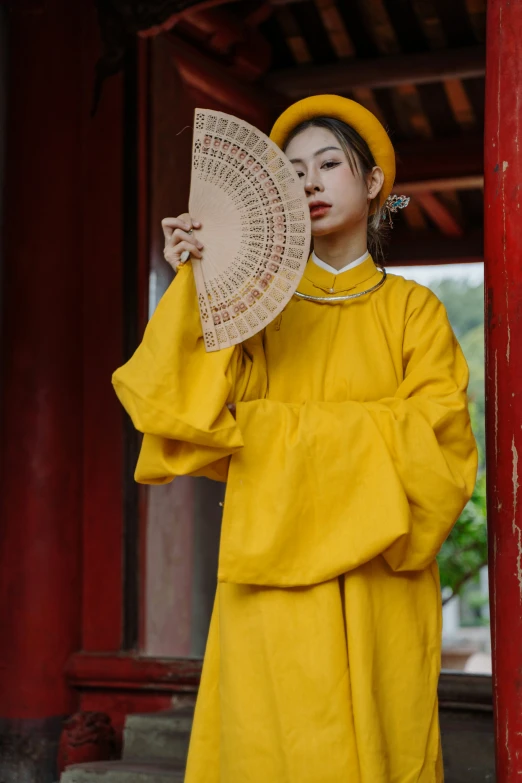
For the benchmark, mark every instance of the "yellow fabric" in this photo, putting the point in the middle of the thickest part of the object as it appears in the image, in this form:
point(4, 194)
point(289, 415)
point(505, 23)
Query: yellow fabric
point(352, 113)
point(351, 458)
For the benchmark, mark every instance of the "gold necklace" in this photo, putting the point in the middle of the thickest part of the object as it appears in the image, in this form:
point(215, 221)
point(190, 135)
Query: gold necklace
point(334, 299)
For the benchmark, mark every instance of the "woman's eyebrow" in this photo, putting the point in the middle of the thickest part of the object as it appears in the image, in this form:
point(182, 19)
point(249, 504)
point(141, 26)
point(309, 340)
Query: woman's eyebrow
point(319, 152)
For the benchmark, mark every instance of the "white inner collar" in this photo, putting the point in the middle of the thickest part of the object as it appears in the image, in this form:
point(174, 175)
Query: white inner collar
point(335, 271)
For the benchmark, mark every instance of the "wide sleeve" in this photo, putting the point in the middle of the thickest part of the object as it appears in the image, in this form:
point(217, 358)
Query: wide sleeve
point(321, 488)
point(176, 393)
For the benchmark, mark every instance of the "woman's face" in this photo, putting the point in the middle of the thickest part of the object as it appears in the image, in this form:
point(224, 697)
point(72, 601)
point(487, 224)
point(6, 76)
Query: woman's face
point(337, 198)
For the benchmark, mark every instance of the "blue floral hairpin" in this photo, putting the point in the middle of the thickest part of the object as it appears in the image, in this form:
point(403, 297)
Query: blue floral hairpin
point(392, 205)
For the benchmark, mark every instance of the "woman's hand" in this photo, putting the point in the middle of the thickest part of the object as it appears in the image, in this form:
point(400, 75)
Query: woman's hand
point(179, 240)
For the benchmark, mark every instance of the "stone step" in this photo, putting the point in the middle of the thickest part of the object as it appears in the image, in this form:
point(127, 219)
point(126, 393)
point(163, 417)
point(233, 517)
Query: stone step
point(159, 735)
point(128, 771)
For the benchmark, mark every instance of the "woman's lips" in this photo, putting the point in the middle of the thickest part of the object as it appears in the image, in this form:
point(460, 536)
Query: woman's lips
point(319, 210)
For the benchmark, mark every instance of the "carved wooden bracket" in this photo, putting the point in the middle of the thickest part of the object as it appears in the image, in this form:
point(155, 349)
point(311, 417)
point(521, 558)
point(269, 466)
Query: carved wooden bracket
point(122, 20)
point(87, 736)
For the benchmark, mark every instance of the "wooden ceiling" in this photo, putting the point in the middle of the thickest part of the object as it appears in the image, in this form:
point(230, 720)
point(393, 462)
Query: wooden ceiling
point(417, 64)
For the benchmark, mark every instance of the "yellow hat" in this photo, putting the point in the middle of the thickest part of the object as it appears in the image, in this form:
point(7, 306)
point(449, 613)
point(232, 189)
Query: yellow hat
point(360, 119)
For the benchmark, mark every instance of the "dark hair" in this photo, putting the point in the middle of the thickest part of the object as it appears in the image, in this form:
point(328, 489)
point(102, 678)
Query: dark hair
point(361, 161)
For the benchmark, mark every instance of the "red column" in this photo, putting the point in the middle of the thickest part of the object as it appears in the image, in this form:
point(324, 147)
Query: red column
point(40, 408)
point(503, 269)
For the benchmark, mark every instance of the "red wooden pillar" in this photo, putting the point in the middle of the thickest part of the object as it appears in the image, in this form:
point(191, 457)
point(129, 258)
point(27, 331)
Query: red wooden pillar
point(503, 270)
point(41, 370)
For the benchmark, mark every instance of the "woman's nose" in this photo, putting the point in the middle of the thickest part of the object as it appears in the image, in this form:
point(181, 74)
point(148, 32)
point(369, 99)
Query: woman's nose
point(312, 186)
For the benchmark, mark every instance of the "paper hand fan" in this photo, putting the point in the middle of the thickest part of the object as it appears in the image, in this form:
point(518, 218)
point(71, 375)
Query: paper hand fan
point(255, 228)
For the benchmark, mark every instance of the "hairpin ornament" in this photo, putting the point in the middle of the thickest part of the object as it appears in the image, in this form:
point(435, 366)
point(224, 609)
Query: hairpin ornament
point(392, 205)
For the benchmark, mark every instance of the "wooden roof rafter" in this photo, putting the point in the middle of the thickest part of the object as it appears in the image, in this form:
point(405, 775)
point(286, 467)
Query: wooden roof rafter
point(389, 71)
point(417, 64)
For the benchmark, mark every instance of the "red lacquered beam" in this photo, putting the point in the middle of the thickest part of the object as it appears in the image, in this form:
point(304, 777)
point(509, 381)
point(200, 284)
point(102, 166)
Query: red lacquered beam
point(101, 251)
point(132, 672)
point(503, 268)
point(210, 78)
point(41, 365)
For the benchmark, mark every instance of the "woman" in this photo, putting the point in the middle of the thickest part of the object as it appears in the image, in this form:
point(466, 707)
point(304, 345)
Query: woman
point(344, 435)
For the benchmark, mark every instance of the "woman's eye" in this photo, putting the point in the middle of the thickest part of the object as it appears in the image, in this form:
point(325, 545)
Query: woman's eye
point(330, 164)
point(300, 174)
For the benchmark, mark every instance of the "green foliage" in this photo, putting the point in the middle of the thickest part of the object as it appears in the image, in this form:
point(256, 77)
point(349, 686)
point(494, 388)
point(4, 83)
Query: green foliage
point(465, 307)
point(472, 344)
point(464, 304)
point(464, 554)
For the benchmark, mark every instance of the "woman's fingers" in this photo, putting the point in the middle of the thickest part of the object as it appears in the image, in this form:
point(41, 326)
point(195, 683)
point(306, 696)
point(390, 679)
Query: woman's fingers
point(169, 224)
point(180, 241)
point(178, 235)
point(173, 253)
point(183, 222)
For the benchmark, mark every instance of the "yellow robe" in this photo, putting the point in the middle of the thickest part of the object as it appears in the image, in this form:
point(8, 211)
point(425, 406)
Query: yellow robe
point(350, 459)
